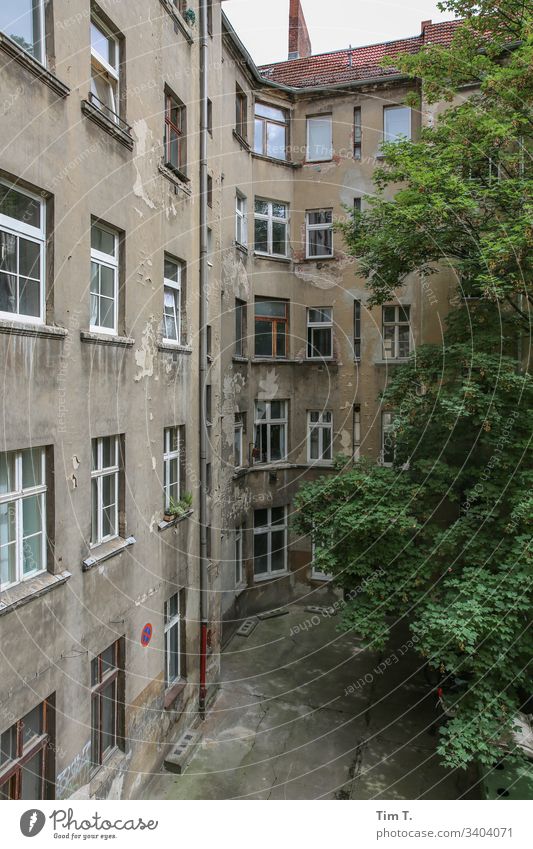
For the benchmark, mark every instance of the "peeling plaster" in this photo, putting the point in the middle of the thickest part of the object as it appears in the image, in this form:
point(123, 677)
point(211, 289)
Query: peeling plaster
point(145, 355)
point(140, 128)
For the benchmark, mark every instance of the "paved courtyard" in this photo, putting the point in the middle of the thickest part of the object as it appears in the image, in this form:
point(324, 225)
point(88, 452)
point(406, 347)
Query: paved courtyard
point(302, 714)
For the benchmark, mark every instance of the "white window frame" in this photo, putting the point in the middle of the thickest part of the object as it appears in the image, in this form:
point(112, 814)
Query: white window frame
point(37, 235)
point(318, 325)
point(112, 71)
point(112, 262)
point(283, 422)
point(241, 219)
point(387, 426)
point(310, 228)
point(394, 354)
point(169, 624)
point(17, 496)
point(42, 40)
point(170, 454)
point(240, 578)
point(265, 122)
point(177, 295)
point(386, 111)
point(272, 219)
point(321, 425)
point(269, 529)
point(238, 440)
point(97, 476)
point(327, 155)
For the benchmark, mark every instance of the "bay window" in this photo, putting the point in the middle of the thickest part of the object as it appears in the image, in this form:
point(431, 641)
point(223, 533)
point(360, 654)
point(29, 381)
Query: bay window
point(270, 541)
point(319, 233)
point(104, 279)
point(22, 254)
point(270, 431)
point(319, 333)
point(319, 436)
point(319, 138)
point(271, 227)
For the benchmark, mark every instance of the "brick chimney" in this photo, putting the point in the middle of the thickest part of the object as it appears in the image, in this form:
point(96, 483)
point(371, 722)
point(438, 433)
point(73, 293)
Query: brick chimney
point(423, 27)
point(299, 41)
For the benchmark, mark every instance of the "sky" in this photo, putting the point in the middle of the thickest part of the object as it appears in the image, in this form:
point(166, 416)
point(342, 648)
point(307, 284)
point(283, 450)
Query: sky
point(262, 25)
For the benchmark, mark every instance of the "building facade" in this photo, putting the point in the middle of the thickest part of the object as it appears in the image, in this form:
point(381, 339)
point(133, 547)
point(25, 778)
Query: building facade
point(150, 175)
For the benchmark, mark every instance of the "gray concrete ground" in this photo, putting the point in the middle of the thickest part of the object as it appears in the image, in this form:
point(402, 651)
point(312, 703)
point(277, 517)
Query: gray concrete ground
point(290, 722)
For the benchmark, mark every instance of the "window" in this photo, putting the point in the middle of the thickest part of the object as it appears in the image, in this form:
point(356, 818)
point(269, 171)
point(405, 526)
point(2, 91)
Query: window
point(357, 133)
point(174, 638)
point(319, 436)
point(209, 117)
point(209, 341)
point(239, 561)
point(319, 333)
point(209, 5)
point(396, 332)
point(241, 113)
point(23, 22)
point(271, 220)
point(270, 133)
point(22, 254)
point(388, 438)
point(357, 204)
point(396, 123)
point(107, 702)
point(270, 541)
point(356, 431)
point(181, 6)
point(270, 437)
point(104, 279)
point(105, 65)
point(104, 489)
point(241, 220)
point(26, 755)
point(271, 328)
point(208, 404)
point(357, 330)
point(238, 441)
point(173, 456)
point(209, 191)
point(175, 134)
point(23, 541)
point(319, 233)
point(172, 312)
point(240, 327)
point(319, 138)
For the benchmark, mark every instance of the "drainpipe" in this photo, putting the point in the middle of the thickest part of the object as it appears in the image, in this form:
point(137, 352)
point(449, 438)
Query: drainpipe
point(204, 611)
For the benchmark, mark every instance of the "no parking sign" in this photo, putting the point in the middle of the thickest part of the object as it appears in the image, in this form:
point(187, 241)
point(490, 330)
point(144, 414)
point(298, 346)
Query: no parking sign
point(146, 634)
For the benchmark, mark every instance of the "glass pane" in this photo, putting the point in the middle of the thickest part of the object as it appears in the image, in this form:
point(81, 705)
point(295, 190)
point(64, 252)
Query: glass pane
point(279, 210)
point(32, 778)
point(33, 554)
point(320, 138)
point(260, 518)
point(261, 444)
point(403, 341)
point(320, 242)
point(260, 553)
point(173, 648)
point(102, 240)
point(171, 271)
point(269, 112)
point(326, 443)
point(313, 444)
point(261, 235)
point(108, 717)
point(29, 259)
point(258, 136)
point(403, 314)
point(389, 314)
point(321, 342)
point(8, 292)
point(278, 551)
point(13, 203)
point(108, 451)
point(108, 659)
point(32, 467)
point(95, 730)
point(276, 143)
point(277, 409)
point(8, 252)
point(388, 340)
point(107, 281)
point(279, 238)
point(281, 340)
point(276, 309)
point(94, 511)
point(397, 121)
point(277, 442)
point(260, 410)
point(261, 207)
point(7, 472)
point(278, 516)
point(8, 568)
point(32, 519)
point(263, 338)
point(103, 45)
point(320, 216)
point(319, 316)
point(109, 506)
point(29, 297)
point(32, 724)
point(8, 745)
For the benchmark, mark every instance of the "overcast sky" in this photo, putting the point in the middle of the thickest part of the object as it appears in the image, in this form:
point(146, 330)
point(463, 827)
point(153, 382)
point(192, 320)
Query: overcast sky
point(263, 24)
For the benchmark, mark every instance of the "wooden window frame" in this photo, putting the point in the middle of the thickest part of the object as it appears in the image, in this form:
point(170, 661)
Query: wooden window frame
point(11, 772)
point(112, 676)
point(275, 321)
point(180, 129)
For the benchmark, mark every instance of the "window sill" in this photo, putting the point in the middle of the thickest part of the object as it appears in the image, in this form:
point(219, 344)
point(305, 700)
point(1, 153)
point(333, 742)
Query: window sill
point(238, 359)
point(318, 259)
point(285, 259)
point(94, 114)
point(28, 590)
point(163, 525)
point(285, 162)
point(32, 65)
point(242, 141)
point(392, 361)
point(178, 21)
point(317, 161)
point(20, 328)
point(260, 579)
point(173, 693)
point(242, 248)
point(240, 472)
point(94, 338)
point(173, 348)
point(332, 361)
point(106, 551)
point(277, 360)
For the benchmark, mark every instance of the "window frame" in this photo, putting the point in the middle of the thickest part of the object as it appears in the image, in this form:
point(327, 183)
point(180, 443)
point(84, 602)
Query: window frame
point(19, 229)
point(40, 744)
point(109, 71)
point(177, 289)
point(170, 623)
point(241, 113)
point(309, 123)
point(320, 426)
point(265, 122)
point(356, 432)
point(387, 111)
point(239, 426)
point(387, 426)
point(313, 228)
point(240, 575)
point(240, 327)
point(169, 455)
point(108, 261)
point(104, 679)
point(318, 325)
point(396, 324)
point(97, 475)
point(271, 219)
point(357, 134)
point(172, 101)
point(269, 529)
point(241, 219)
point(42, 58)
point(275, 321)
point(357, 330)
point(268, 422)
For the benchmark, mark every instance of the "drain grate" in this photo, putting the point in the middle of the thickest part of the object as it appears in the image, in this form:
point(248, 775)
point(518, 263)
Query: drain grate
point(246, 628)
point(270, 614)
point(321, 611)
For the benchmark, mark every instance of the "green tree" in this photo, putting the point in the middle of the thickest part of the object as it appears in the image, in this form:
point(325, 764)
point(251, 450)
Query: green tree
point(442, 539)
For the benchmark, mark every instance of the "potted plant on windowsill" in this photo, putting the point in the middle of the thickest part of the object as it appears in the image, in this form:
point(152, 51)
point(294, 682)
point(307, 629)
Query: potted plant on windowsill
point(190, 17)
point(177, 508)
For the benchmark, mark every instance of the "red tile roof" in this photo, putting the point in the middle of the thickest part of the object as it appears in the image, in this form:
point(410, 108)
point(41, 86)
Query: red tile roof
point(356, 63)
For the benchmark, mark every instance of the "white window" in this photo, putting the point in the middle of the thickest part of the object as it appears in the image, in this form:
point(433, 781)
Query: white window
point(173, 439)
point(270, 131)
point(319, 436)
point(22, 254)
point(396, 332)
point(238, 442)
point(319, 333)
point(270, 541)
point(104, 279)
point(172, 640)
point(104, 489)
point(239, 561)
point(22, 515)
point(319, 138)
point(105, 64)
point(271, 223)
point(319, 233)
point(356, 432)
point(172, 301)
point(23, 22)
point(270, 438)
point(396, 123)
point(241, 220)
point(388, 438)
